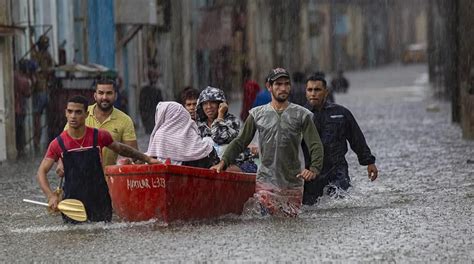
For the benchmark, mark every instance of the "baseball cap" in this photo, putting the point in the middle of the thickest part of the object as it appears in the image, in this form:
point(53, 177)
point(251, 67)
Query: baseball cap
point(277, 73)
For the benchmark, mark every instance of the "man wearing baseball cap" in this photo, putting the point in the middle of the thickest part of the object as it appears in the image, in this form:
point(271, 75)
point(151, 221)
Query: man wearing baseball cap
point(281, 126)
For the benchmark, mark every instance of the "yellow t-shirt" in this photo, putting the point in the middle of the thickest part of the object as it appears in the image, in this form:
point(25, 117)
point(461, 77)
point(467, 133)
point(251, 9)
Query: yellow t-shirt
point(119, 125)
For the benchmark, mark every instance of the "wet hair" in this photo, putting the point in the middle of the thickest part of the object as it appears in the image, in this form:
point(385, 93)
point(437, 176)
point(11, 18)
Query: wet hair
point(320, 73)
point(105, 81)
point(317, 77)
point(188, 93)
point(79, 99)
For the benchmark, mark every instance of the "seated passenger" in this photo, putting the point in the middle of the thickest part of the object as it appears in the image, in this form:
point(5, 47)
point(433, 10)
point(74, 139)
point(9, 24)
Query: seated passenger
point(216, 122)
point(188, 98)
point(213, 118)
point(176, 137)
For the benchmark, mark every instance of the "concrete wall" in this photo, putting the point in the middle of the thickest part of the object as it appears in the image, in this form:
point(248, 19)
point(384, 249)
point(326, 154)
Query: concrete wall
point(7, 108)
point(443, 52)
point(259, 32)
point(451, 58)
point(20, 18)
point(175, 60)
point(279, 33)
point(315, 40)
point(65, 24)
point(45, 18)
point(465, 39)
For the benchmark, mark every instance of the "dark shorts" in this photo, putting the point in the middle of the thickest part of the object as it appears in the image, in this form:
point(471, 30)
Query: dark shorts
point(40, 102)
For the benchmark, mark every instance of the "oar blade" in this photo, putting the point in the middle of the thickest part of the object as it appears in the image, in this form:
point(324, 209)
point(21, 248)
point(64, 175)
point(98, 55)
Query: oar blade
point(73, 209)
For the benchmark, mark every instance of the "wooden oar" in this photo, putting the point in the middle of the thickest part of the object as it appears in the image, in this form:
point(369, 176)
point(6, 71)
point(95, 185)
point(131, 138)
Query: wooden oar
point(59, 190)
point(72, 208)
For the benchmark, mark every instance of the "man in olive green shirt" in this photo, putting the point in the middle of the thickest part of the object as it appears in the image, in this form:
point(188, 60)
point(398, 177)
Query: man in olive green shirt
point(281, 126)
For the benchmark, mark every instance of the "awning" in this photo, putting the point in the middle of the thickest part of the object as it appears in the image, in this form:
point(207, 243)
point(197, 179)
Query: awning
point(77, 70)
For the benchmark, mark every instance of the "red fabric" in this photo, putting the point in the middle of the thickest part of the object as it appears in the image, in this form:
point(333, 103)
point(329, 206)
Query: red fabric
point(55, 152)
point(251, 90)
point(279, 202)
point(22, 85)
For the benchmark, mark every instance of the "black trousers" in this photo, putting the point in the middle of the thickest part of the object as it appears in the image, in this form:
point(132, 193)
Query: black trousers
point(337, 176)
point(20, 132)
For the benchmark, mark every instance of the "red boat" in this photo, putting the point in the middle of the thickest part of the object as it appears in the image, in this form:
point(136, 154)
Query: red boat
point(171, 192)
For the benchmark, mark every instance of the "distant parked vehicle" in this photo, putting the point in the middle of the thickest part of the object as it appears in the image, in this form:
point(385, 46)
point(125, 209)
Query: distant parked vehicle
point(414, 53)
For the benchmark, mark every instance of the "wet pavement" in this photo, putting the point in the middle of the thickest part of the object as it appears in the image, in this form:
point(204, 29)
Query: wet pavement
point(419, 210)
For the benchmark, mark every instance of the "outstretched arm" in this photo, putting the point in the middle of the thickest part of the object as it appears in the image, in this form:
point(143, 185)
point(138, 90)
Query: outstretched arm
point(131, 143)
point(357, 141)
point(127, 151)
point(237, 145)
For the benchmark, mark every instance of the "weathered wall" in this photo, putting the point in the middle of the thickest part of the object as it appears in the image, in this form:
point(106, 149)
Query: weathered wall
point(176, 48)
point(315, 41)
point(442, 50)
point(7, 106)
point(465, 39)
point(101, 33)
point(198, 50)
point(259, 39)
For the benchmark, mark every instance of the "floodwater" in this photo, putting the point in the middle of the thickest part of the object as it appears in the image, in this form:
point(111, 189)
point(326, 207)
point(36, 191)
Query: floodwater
point(419, 210)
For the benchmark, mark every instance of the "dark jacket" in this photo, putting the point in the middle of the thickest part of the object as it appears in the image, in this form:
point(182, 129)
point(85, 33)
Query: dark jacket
point(337, 126)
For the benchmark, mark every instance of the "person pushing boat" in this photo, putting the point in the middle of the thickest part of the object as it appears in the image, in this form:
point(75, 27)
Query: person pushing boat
point(281, 126)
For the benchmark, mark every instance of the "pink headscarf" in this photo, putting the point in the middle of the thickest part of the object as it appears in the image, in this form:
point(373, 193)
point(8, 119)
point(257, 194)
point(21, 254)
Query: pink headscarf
point(176, 135)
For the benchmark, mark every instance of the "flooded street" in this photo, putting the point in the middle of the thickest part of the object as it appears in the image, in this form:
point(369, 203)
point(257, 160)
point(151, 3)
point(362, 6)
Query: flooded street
point(420, 209)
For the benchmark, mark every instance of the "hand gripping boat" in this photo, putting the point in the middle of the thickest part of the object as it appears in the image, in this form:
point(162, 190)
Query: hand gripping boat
point(171, 192)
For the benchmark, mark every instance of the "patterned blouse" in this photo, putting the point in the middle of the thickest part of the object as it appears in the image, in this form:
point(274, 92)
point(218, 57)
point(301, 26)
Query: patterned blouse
point(221, 131)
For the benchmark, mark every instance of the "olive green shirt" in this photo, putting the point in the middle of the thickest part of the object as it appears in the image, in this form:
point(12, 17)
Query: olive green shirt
point(280, 135)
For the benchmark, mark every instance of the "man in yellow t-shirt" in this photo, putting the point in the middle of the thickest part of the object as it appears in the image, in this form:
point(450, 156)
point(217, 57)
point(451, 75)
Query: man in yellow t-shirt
point(104, 115)
point(120, 126)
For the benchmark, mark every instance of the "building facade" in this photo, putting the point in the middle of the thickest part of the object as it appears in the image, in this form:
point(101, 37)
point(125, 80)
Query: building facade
point(7, 110)
point(205, 42)
point(451, 55)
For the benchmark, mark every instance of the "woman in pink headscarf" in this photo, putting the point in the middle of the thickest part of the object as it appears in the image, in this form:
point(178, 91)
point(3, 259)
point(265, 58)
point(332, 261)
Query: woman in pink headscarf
point(176, 137)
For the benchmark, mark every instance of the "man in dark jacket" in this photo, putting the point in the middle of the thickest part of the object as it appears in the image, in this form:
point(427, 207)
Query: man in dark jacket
point(336, 126)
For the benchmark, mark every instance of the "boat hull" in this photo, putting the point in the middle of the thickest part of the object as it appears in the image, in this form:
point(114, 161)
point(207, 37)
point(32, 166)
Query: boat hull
point(171, 192)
